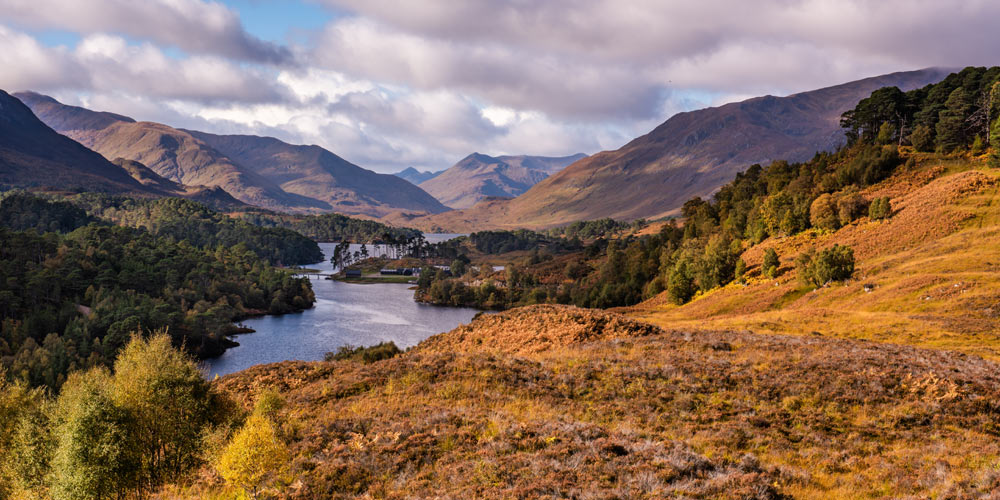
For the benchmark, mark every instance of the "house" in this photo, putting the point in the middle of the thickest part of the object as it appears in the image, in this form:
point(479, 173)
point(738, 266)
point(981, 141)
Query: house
point(352, 273)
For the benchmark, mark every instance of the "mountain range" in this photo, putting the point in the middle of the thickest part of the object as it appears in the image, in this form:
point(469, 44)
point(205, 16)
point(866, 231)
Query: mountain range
point(259, 171)
point(414, 176)
point(34, 156)
point(691, 154)
point(478, 176)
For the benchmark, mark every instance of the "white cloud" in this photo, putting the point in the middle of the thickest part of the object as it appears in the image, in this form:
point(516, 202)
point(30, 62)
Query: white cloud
point(193, 25)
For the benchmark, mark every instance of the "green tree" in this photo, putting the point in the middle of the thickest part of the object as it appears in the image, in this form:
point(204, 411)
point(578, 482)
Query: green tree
point(680, 284)
point(171, 405)
point(880, 208)
point(819, 268)
point(995, 144)
point(885, 134)
point(951, 120)
point(771, 263)
point(94, 455)
point(978, 147)
point(922, 138)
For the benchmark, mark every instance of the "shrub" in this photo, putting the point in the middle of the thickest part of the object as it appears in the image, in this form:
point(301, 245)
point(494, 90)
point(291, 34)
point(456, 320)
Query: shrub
point(741, 269)
point(819, 268)
point(978, 146)
point(885, 133)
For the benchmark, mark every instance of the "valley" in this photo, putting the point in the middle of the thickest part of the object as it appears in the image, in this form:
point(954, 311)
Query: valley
point(782, 297)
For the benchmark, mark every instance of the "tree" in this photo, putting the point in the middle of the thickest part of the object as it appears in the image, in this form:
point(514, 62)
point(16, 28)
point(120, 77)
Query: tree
point(680, 284)
point(978, 147)
point(850, 206)
point(255, 453)
point(94, 456)
point(885, 134)
point(951, 121)
point(880, 208)
point(771, 263)
point(922, 138)
point(823, 213)
point(819, 268)
point(171, 405)
point(995, 143)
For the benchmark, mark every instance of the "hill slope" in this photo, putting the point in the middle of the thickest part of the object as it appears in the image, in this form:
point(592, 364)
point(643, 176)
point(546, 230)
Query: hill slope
point(315, 173)
point(34, 155)
point(600, 406)
point(479, 176)
point(691, 154)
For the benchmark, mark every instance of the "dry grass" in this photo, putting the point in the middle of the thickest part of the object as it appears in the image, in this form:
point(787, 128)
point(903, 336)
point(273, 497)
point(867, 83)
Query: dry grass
point(934, 266)
point(661, 414)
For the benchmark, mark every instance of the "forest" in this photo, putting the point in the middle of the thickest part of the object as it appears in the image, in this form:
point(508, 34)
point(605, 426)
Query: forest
point(333, 227)
point(200, 226)
point(71, 301)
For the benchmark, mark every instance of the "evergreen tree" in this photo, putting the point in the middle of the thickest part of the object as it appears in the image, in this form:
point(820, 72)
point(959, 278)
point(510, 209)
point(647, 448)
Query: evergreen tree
point(951, 121)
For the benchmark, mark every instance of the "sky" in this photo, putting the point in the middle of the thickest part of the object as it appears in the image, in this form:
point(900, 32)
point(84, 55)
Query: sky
point(423, 83)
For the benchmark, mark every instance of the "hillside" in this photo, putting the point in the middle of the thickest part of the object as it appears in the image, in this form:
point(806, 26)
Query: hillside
point(214, 197)
point(32, 155)
point(317, 174)
point(690, 154)
point(414, 176)
point(633, 412)
point(258, 171)
point(479, 176)
point(931, 269)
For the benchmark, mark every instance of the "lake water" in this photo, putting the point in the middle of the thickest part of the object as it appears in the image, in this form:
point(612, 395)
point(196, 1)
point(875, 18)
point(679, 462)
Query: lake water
point(344, 314)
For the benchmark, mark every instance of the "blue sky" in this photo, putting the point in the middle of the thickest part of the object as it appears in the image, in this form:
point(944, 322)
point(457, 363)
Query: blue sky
point(389, 84)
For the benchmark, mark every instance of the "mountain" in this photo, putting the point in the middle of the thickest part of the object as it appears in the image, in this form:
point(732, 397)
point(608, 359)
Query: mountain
point(317, 174)
point(691, 154)
point(478, 176)
point(215, 197)
point(34, 155)
point(414, 176)
point(259, 171)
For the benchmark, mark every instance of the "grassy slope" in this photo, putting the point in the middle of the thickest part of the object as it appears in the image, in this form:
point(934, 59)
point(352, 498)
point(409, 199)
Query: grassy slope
point(935, 265)
point(558, 402)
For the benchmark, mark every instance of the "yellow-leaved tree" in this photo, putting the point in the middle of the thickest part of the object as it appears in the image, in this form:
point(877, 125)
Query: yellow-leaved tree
point(255, 454)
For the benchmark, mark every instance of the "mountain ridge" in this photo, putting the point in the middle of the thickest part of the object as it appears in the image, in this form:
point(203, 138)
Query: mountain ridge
point(192, 158)
point(479, 176)
point(690, 154)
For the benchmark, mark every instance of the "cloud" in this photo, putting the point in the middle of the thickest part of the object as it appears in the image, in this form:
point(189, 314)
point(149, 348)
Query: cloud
point(107, 63)
point(193, 25)
point(618, 61)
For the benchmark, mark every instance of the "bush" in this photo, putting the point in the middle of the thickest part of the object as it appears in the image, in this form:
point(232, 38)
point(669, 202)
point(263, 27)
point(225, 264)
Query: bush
point(832, 264)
